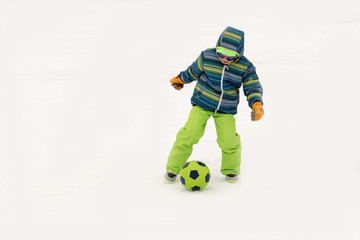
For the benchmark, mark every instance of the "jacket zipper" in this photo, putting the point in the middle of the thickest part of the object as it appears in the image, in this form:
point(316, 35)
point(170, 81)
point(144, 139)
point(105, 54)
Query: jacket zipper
point(222, 87)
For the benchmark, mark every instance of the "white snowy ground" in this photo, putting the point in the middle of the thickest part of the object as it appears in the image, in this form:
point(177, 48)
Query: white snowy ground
point(88, 118)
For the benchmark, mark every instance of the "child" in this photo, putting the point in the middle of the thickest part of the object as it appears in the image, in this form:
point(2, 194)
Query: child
point(219, 73)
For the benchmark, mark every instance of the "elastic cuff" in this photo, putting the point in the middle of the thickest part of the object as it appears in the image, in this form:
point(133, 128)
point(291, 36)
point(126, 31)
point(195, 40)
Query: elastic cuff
point(181, 79)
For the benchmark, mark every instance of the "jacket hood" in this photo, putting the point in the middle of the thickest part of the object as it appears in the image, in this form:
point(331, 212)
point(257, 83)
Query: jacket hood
point(232, 39)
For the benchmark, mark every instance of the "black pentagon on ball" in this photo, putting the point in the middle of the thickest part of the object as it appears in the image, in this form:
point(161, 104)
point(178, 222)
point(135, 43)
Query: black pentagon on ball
point(194, 174)
point(201, 163)
point(195, 188)
point(207, 178)
point(185, 165)
point(182, 180)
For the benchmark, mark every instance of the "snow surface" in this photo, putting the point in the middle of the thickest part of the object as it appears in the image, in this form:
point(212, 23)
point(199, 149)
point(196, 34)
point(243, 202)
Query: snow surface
point(88, 118)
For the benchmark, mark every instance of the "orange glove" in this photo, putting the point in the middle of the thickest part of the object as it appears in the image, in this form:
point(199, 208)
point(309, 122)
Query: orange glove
point(177, 83)
point(257, 111)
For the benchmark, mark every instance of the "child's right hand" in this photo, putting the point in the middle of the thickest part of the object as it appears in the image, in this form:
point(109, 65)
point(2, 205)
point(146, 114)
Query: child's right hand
point(177, 83)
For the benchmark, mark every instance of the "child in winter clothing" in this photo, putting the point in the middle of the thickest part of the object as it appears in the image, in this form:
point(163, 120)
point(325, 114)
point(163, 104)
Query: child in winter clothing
point(219, 73)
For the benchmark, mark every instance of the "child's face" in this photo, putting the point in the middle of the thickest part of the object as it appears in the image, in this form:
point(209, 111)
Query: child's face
point(226, 61)
point(225, 58)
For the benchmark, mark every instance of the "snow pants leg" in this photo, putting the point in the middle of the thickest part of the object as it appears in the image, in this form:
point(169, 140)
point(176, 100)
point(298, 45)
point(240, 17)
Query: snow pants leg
point(227, 138)
point(229, 142)
point(189, 135)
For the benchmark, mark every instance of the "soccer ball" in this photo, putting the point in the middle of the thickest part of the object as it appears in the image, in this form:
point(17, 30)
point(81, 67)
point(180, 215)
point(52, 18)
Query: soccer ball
point(195, 175)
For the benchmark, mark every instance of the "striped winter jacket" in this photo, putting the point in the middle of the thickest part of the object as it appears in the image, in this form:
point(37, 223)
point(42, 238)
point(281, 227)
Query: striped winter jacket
point(218, 85)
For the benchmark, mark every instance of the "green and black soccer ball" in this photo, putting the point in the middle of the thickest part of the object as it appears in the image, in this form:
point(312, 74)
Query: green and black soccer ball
point(195, 175)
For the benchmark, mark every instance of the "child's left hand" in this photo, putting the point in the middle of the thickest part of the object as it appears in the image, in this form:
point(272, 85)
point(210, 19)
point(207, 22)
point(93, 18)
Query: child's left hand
point(257, 111)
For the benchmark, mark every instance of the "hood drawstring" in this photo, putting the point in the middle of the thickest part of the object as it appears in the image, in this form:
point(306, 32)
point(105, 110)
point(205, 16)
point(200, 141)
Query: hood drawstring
point(222, 87)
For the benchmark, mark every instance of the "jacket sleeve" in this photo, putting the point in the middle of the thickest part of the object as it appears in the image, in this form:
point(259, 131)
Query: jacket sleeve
point(194, 71)
point(251, 86)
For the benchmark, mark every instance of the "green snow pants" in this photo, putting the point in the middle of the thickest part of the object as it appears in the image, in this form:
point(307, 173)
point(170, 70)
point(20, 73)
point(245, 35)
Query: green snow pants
point(227, 138)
